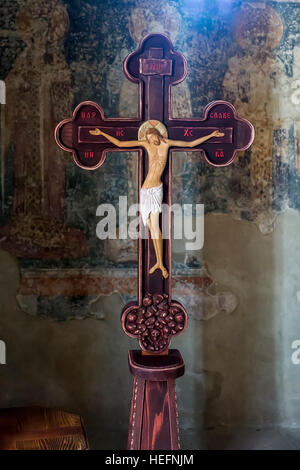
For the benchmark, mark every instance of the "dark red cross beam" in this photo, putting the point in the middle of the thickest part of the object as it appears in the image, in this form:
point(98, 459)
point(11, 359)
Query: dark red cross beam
point(155, 317)
point(156, 67)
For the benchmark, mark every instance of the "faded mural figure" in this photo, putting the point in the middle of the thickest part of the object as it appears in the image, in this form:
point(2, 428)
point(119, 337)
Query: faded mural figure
point(253, 77)
point(39, 94)
point(153, 138)
point(144, 21)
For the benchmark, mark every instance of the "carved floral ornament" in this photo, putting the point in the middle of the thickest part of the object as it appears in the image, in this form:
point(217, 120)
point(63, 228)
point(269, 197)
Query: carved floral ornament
point(155, 322)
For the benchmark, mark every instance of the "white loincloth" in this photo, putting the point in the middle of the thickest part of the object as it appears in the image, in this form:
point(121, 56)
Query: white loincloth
point(150, 201)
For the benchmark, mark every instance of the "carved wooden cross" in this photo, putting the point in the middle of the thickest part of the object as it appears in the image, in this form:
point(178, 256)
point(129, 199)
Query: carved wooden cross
point(155, 317)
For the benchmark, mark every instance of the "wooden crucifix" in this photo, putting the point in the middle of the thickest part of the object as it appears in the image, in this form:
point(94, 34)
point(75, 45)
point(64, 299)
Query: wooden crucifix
point(154, 318)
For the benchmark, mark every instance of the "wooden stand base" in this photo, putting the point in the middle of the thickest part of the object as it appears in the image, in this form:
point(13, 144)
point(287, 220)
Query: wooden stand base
point(154, 417)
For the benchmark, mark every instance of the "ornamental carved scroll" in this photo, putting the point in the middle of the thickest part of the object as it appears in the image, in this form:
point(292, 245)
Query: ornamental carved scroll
point(155, 322)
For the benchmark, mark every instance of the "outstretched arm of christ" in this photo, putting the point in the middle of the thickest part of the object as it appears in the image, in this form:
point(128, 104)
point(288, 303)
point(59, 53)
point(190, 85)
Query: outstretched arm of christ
point(117, 142)
point(193, 143)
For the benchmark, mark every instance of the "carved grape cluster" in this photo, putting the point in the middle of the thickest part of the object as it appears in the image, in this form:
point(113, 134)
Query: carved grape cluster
point(155, 322)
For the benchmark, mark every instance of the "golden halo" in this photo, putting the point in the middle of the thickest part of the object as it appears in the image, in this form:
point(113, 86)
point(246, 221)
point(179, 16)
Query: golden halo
point(152, 124)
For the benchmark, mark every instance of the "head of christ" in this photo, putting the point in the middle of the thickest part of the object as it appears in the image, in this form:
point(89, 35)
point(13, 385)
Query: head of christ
point(154, 136)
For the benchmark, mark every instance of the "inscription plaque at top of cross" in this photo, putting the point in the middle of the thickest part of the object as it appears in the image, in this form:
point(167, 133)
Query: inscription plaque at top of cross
point(154, 318)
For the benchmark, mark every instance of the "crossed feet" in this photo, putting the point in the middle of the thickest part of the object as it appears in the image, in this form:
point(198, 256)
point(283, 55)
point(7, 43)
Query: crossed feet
point(161, 267)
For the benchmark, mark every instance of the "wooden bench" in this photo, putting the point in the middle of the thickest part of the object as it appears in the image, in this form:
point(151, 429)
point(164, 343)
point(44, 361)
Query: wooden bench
point(38, 428)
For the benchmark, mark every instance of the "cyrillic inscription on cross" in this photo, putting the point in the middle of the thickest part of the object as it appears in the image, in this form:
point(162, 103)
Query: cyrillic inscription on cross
point(156, 67)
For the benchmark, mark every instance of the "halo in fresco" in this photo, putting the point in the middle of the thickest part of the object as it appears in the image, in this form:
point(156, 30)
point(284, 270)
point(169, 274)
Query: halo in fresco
point(258, 25)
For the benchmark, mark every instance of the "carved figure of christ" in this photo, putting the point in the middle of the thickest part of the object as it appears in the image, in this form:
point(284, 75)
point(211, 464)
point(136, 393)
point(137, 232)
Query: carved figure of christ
point(157, 147)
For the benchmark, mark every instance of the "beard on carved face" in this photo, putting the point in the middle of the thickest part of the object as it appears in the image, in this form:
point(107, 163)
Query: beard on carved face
point(156, 134)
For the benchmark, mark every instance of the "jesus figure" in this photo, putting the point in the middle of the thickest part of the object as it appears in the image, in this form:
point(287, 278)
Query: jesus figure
point(151, 193)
